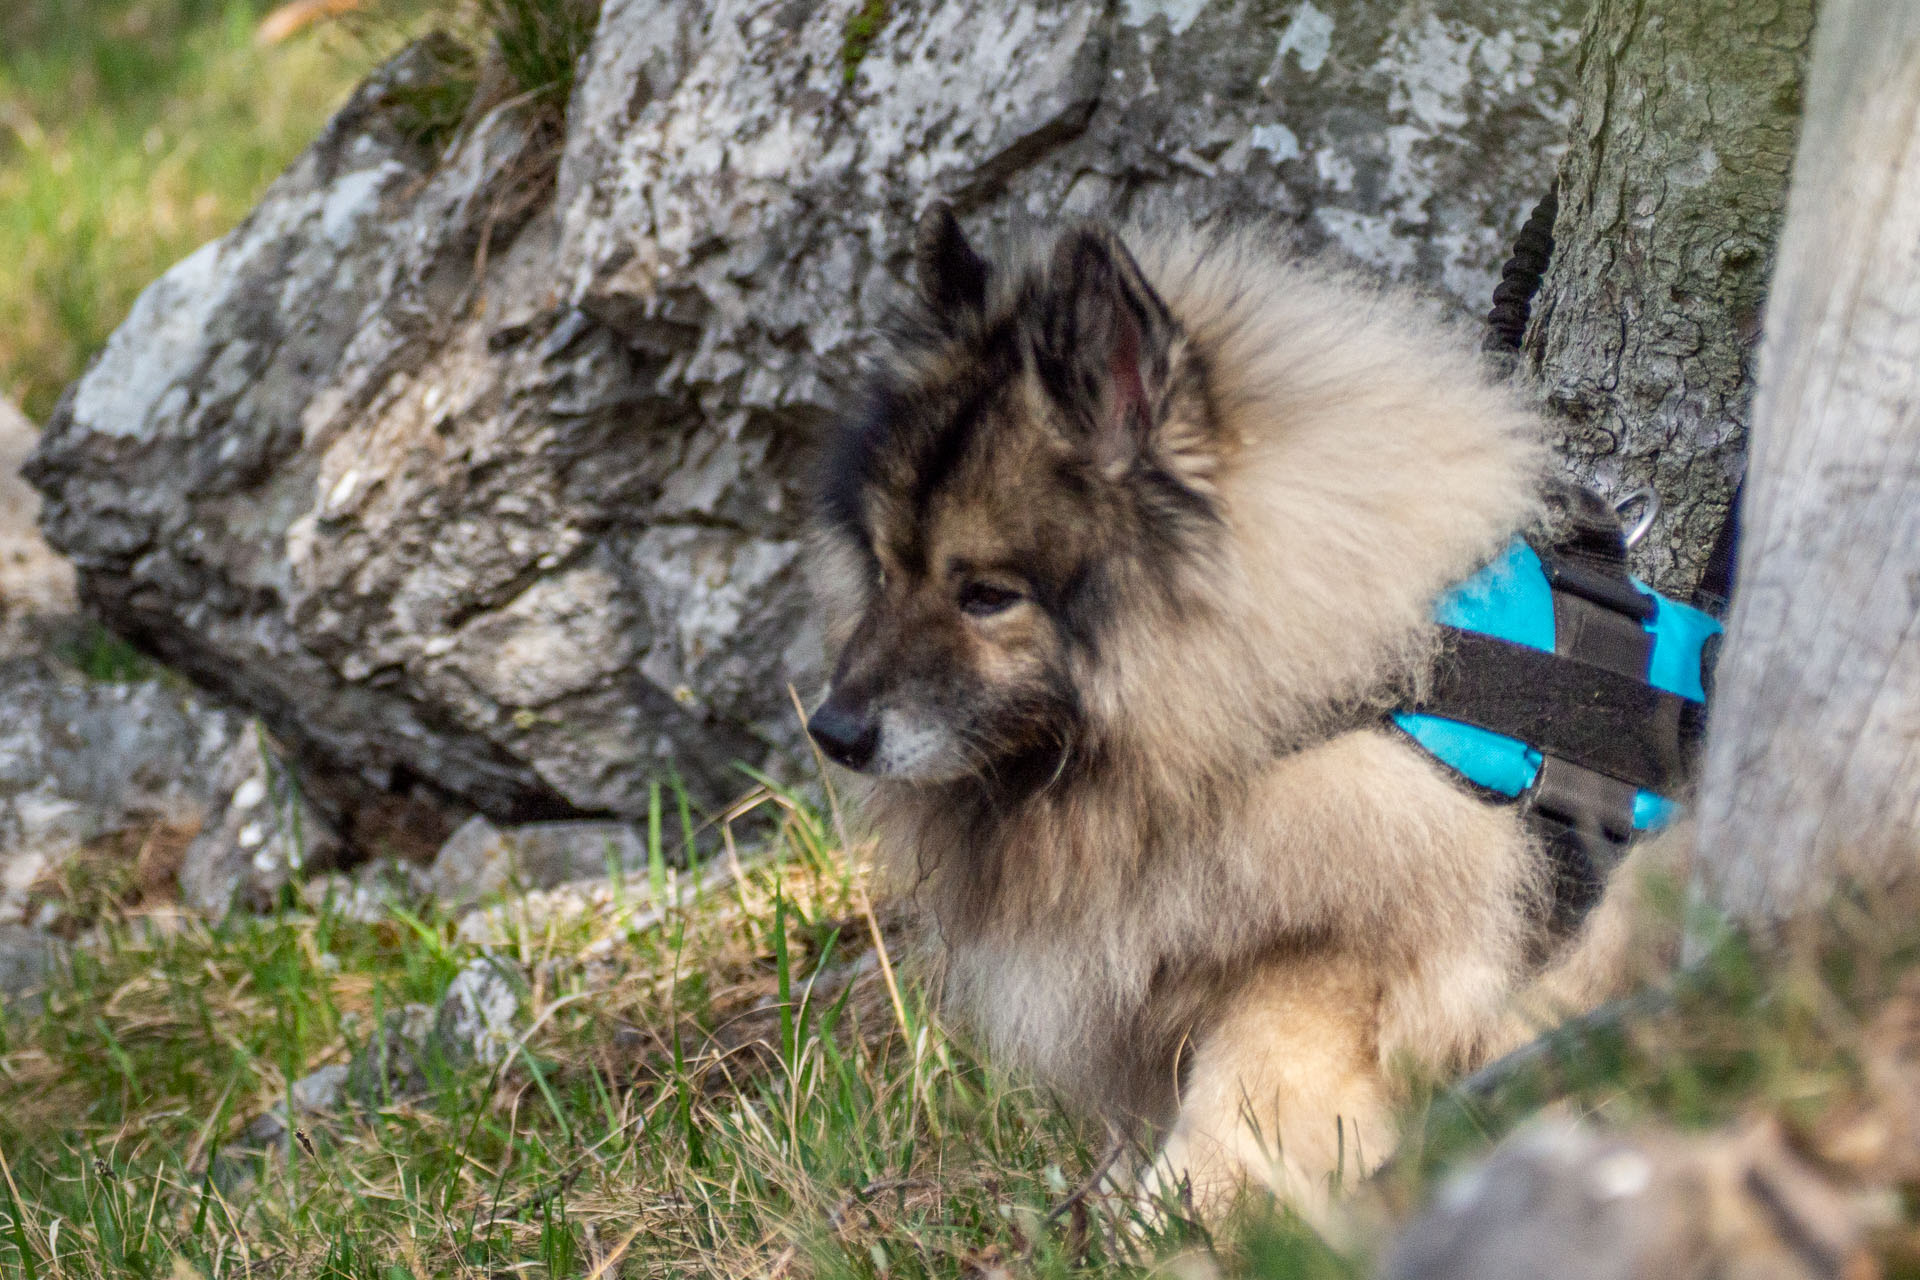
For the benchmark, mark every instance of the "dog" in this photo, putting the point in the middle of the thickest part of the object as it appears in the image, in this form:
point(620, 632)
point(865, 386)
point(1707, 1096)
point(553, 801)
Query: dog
point(1127, 549)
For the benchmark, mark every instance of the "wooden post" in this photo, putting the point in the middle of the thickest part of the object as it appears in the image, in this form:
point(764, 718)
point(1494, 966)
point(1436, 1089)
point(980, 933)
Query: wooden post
point(1813, 763)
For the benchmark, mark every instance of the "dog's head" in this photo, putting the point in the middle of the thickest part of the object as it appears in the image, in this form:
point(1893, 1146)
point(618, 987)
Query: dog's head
point(1035, 454)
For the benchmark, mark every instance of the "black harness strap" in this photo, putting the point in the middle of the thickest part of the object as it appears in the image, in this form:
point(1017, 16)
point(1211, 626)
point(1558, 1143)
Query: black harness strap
point(1716, 580)
point(1569, 707)
point(1584, 821)
point(1603, 731)
point(1579, 578)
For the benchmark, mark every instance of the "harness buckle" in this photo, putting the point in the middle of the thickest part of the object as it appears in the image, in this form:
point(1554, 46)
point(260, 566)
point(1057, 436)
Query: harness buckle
point(1649, 503)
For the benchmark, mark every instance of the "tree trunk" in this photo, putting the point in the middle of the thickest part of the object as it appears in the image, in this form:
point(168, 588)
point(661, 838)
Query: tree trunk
point(1813, 763)
point(1670, 202)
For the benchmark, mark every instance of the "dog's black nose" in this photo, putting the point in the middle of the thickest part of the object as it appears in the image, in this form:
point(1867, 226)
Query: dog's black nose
point(848, 737)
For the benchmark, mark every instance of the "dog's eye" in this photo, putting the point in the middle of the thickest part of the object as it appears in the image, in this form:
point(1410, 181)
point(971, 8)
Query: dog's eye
point(984, 598)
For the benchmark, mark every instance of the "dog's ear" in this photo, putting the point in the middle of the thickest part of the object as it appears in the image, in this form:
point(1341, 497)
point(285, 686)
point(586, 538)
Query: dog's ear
point(952, 277)
point(1108, 344)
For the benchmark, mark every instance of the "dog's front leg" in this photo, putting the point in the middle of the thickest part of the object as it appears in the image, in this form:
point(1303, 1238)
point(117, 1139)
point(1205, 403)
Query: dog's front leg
point(1285, 1089)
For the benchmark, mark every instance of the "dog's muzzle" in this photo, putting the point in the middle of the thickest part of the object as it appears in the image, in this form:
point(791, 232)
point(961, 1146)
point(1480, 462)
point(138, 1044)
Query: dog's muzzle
point(848, 737)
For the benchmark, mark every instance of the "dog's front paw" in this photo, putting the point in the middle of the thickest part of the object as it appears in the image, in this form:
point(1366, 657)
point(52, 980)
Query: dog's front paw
point(1197, 1175)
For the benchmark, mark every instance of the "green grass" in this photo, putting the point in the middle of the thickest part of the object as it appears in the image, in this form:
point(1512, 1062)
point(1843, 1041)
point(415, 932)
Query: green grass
point(863, 28)
point(541, 42)
point(101, 656)
point(687, 1101)
point(683, 1105)
point(132, 131)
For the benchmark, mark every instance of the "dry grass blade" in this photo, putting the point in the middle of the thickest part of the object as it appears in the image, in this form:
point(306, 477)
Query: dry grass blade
point(292, 18)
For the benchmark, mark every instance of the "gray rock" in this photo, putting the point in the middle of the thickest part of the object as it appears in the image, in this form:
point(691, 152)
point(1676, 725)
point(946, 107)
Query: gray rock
point(554, 853)
point(79, 760)
point(480, 860)
point(268, 1129)
point(314, 1094)
point(476, 1021)
point(319, 1091)
point(474, 863)
point(484, 466)
point(27, 958)
point(476, 1018)
point(36, 585)
point(393, 1063)
point(1568, 1202)
point(261, 834)
point(371, 892)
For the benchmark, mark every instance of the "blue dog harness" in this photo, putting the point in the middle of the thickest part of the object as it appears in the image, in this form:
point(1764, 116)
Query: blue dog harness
point(1572, 689)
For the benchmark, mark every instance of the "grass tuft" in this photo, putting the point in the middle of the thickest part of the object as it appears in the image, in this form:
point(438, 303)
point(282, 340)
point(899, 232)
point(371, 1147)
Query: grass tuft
point(541, 42)
point(863, 28)
point(102, 656)
point(431, 111)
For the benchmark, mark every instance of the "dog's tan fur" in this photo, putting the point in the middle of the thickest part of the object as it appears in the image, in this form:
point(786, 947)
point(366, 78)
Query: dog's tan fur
point(1260, 899)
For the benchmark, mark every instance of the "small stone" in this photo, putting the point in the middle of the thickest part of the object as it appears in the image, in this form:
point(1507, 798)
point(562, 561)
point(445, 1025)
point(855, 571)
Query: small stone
point(392, 1065)
point(474, 863)
point(476, 1018)
point(370, 894)
point(261, 834)
point(268, 1128)
point(250, 793)
point(27, 959)
point(479, 860)
point(1565, 1201)
point(555, 853)
point(319, 1091)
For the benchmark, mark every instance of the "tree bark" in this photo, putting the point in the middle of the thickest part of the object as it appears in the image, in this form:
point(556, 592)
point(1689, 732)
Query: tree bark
point(1670, 201)
point(1813, 764)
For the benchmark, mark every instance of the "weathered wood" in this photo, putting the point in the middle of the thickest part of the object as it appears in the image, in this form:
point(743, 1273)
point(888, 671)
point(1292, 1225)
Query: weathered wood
point(1670, 202)
point(1813, 765)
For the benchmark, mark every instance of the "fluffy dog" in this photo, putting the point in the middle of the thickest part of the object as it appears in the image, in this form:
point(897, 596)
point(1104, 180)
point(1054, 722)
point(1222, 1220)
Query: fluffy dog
point(1124, 555)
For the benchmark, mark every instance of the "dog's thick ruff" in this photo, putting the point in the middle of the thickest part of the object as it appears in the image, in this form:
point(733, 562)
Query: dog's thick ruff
point(1127, 555)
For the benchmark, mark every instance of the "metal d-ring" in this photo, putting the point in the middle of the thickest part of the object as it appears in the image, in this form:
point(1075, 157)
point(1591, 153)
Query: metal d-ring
point(1649, 503)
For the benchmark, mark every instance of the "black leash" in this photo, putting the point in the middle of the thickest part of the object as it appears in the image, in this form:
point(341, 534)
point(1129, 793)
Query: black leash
point(1507, 320)
point(1520, 278)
